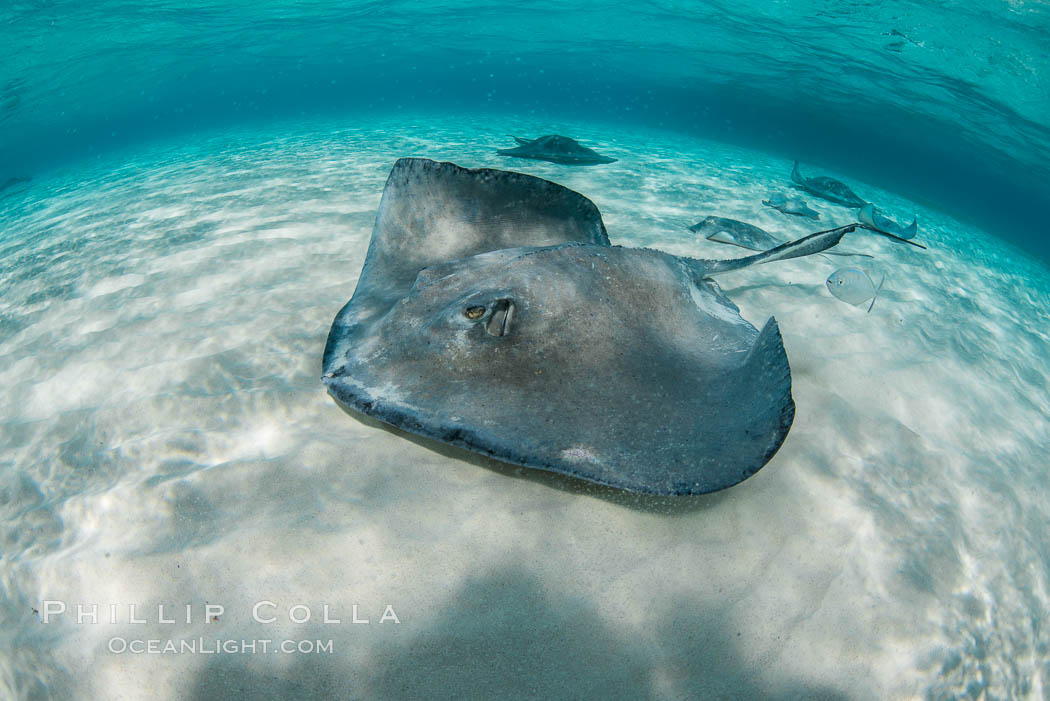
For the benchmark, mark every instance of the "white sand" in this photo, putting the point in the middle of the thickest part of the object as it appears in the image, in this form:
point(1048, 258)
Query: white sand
point(165, 439)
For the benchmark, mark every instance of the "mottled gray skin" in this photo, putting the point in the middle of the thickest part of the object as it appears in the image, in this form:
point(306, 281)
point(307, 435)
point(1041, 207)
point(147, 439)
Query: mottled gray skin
point(556, 149)
point(492, 314)
point(826, 188)
point(871, 216)
point(795, 206)
point(749, 236)
point(433, 213)
point(735, 232)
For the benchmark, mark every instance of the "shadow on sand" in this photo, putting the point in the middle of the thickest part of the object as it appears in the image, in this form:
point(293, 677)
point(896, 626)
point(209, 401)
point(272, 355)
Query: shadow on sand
point(504, 635)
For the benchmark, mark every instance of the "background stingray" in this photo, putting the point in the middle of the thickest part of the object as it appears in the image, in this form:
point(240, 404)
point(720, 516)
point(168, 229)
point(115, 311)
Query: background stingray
point(11, 182)
point(795, 206)
point(738, 233)
point(827, 188)
point(871, 216)
point(493, 314)
point(556, 149)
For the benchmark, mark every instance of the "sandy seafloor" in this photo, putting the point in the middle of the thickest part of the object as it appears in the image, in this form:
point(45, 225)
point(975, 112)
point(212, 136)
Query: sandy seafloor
point(165, 439)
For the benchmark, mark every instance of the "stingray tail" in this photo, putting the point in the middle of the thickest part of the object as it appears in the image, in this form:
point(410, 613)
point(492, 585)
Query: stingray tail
point(892, 236)
point(853, 254)
point(876, 293)
point(807, 245)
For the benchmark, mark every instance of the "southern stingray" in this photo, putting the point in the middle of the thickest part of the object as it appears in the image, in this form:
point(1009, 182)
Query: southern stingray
point(493, 314)
point(556, 149)
point(795, 206)
point(827, 188)
point(869, 215)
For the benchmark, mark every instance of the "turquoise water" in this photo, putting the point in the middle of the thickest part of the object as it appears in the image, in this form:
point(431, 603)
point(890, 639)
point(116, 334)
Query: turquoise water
point(202, 183)
point(949, 102)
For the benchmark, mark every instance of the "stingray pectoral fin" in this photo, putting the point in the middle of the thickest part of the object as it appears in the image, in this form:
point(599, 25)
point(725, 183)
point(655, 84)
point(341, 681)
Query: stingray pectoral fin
point(912, 229)
point(866, 215)
point(767, 366)
point(767, 356)
point(796, 176)
point(723, 237)
point(523, 142)
point(807, 245)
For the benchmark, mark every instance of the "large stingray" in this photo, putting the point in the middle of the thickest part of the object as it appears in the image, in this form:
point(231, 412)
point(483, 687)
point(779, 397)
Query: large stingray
point(493, 314)
point(827, 188)
point(556, 149)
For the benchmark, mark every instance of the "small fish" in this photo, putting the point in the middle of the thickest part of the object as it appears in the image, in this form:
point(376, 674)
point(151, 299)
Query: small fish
point(854, 286)
point(791, 205)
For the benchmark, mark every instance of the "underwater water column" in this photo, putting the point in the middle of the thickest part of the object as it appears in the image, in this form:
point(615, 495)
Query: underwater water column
point(187, 193)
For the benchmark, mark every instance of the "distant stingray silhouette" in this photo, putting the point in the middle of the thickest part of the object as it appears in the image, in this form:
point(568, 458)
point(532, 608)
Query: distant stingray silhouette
point(556, 149)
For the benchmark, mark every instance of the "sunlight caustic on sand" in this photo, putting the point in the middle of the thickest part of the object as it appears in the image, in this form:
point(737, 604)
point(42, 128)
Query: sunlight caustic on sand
point(165, 439)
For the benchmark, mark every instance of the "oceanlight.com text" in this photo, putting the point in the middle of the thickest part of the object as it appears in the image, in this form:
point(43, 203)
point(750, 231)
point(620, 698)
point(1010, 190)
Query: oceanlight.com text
point(217, 646)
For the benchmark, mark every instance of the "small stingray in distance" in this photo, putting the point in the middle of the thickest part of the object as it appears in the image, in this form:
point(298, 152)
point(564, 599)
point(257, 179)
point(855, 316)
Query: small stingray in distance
point(556, 149)
point(492, 314)
point(796, 206)
point(872, 217)
point(11, 182)
point(826, 188)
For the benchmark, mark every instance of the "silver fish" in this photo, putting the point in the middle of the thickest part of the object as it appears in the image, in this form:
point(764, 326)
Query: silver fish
point(854, 286)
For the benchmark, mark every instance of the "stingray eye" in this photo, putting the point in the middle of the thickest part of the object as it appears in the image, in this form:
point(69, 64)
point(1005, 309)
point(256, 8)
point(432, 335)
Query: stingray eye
point(840, 281)
point(474, 313)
